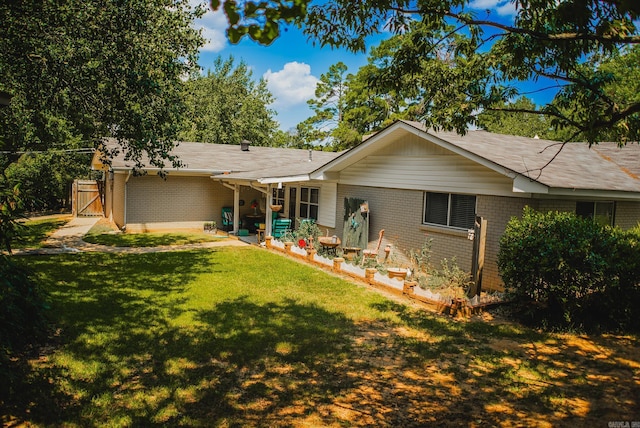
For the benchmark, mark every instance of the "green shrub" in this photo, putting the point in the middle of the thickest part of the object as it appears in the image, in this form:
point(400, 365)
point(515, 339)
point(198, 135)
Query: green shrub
point(617, 305)
point(22, 320)
point(571, 272)
point(307, 229)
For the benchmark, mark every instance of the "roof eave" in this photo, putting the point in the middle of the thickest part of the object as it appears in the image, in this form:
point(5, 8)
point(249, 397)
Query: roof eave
point(176, 171)
point(285, 179)
point(595, 193)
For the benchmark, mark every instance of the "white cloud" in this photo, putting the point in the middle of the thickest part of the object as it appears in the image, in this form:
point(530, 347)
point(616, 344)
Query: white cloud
point(502, 7)
point(292, 85)
point(213, 25)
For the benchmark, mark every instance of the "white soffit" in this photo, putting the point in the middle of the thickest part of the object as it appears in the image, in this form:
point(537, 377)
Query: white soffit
point(523, 184)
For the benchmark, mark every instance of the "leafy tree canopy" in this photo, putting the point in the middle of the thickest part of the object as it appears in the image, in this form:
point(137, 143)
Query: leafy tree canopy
point(328, 106)
point(79, 71)
point(227, 106)
point(463, 62)
point(91, 69)
point(348, 106)
point(507, 122)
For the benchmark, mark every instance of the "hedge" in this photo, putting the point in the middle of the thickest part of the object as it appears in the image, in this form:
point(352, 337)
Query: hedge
point(570, 272)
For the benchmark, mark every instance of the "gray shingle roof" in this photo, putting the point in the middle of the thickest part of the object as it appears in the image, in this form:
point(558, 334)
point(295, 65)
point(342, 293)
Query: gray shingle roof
point(604, 166)
point(256, 163)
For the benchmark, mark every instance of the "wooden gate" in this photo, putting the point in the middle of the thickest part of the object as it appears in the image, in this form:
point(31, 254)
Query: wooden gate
point(88, 198)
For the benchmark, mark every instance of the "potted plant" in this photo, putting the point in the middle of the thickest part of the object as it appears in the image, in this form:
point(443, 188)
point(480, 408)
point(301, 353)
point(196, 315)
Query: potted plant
point(308, 231)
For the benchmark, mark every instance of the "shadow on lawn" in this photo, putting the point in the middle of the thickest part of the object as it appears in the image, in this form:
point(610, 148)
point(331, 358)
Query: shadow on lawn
point(492, 374)
point(288, 363)
point(92, 311)
point(124, 361)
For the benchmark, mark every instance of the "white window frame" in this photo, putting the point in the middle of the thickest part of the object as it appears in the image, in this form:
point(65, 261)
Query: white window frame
point(308, 203)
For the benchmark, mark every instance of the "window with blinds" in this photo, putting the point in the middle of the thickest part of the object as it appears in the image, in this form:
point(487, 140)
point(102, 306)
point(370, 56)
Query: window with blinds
point(449, 209)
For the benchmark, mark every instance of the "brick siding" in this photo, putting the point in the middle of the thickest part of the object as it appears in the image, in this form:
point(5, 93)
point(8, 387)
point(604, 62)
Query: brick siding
point(627, 214)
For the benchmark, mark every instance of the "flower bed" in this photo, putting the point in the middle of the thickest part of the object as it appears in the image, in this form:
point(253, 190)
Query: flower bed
point(444, 301)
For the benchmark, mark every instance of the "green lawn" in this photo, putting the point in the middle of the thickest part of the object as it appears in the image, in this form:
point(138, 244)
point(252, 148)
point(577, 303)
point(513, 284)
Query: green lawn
point(99, 235)
point(36, 231)
point(240, 336)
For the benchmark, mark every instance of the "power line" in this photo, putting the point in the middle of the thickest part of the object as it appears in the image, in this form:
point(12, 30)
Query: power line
point(20, 152)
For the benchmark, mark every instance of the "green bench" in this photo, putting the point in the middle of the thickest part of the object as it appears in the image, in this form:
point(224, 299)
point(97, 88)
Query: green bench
point(280, 226)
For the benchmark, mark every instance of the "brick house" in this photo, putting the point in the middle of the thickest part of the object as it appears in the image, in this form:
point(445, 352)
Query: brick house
point(213, 176)
point(417, 183)
point(422, 183)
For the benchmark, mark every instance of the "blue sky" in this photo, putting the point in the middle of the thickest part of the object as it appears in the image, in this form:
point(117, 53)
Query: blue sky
point(292, 65)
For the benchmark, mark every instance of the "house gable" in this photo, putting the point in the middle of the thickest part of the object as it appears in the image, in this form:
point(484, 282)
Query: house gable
point(413, 162)
point(407, 155)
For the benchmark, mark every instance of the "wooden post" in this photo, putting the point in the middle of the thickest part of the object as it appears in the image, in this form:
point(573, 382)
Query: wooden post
point(74, 198)
point(369, 273)
point(408, 286)
point(311, 253)
point(477, 262)
point(337, 264)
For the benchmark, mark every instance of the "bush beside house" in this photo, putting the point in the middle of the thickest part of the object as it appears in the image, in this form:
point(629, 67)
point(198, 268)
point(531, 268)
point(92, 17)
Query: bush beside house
point(570, 272)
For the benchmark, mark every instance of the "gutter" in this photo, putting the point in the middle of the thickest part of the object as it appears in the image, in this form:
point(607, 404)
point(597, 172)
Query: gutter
point(286, 179)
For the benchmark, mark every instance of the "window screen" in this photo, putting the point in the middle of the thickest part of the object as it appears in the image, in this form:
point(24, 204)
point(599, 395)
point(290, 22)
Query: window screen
point(278, 196)
point(450, 209)
point(462, 211)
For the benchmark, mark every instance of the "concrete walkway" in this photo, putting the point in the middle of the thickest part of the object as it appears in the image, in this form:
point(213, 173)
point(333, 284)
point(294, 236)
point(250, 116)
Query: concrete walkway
point(68, 239)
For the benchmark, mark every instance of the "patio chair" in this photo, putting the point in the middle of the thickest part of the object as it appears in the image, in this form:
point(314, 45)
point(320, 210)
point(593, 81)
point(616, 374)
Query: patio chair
point(373, 254)
point(280, 226)
point(227, 219)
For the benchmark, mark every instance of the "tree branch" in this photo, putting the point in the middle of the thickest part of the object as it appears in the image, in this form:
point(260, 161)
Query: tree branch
point(562, 144)
point(566, 36)
point(540, 113)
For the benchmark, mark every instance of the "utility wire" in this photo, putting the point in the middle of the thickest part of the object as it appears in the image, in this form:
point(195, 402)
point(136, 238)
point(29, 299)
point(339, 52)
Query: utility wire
point(81, 151)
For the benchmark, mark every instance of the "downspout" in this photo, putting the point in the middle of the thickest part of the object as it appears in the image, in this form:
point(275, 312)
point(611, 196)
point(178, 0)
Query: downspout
point(111, 178)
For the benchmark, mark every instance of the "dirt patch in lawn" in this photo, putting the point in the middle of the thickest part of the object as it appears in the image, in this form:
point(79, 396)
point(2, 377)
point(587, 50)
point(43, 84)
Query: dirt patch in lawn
point(446, 376)
point(406, 377)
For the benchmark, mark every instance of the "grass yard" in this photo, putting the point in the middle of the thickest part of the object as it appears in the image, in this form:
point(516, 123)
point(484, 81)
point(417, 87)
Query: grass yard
point(102, 233)
point(36, 231)
point(239, 336)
